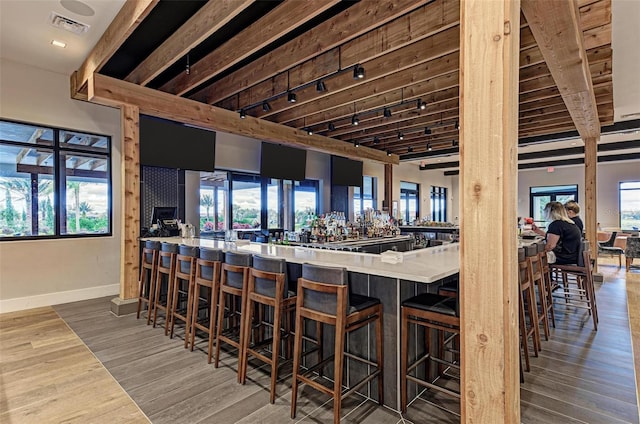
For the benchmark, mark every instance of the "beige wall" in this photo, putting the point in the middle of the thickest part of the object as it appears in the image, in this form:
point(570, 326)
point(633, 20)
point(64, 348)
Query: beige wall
point(36, 273)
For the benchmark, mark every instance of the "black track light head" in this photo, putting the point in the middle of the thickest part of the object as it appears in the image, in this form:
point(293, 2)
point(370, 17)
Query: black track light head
point(376, 140)
point(291, 97)
point(429, 148)
point(321, 86)
point(388, 153)
point(358, 72)
point(331, 126)
point(454, 143)
point(457, 125)
point(387, 112)
point(400, 136)
point(420, 105)
point(355, 120)
point(356, 143)
point(243, 114)
point(266, 107)
point(409, 149)
point(427, 130)
point(309, 130)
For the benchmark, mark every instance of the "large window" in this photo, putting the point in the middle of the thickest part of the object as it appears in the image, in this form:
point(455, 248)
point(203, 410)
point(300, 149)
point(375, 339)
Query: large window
point(305, 202)
point(540, 196)
point(53, 182)
point(630, 205)
point(438, 204)
point(246, 201)
point(365, 197)
point(213, 201)
point(409, 205)
point(274, 203)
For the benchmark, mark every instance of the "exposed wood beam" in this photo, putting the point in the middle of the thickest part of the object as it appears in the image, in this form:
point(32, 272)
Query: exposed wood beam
point(126, 21)
point(32, 139)
point(338, 30)
point(556, 28)
point(113, 92)
point(48, 170)
point(209, 19)
point(275, 24)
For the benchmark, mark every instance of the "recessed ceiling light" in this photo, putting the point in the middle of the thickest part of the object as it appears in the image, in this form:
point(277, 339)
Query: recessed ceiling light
point(57, 43)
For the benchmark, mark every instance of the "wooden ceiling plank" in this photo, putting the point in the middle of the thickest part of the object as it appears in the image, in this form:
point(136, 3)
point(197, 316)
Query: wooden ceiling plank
point(353, 22)
point(597, 37)
point(112, 92)
point(595, 15)
point(556, 27)
point(210, 18)
point(133, 12)
point(275, 24)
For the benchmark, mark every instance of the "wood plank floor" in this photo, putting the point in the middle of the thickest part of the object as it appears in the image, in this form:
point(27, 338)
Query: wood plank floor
point(48, 375)
point(581, 376)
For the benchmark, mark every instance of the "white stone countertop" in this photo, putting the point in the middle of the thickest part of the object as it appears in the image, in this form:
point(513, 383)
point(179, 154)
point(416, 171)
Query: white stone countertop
point(423, 265)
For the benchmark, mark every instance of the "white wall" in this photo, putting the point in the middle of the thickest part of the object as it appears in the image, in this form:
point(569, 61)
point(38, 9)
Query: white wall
point(45, 272)
point(609, 175)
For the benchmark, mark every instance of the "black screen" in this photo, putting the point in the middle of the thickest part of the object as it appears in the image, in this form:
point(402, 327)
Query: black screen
point(346, 172)
point(171, 145)
point(283, 162)
point(163, 212)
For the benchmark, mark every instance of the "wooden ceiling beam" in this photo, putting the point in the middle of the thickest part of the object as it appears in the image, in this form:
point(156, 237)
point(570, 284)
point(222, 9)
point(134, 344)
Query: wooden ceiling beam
point(556, 27)
point(209, 19)
point(113, 92)
point(338, 30)
point(133, 12)
point(277, 23)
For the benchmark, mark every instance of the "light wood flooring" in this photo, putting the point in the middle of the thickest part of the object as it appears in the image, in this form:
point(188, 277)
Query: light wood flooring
point(581, 376)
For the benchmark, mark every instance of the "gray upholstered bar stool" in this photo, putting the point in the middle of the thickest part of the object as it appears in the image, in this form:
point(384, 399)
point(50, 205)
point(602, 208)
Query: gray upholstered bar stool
point(267, 286)
point(323, 296)
point(205, 295)
point(182, 289)
point(164, 277)
point(233, 285)
point(148, 268)
point(431, 312)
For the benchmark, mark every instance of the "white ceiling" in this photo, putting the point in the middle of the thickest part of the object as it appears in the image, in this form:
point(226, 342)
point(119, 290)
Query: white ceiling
point(25, 36)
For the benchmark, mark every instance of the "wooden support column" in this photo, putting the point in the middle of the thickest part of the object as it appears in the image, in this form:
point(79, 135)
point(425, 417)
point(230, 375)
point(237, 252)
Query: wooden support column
point(388, 188)
point(590, 193)
point(130, 201)
point(490, 39)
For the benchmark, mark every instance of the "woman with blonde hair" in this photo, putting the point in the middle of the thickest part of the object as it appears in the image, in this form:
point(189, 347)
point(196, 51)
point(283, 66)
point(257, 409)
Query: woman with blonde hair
point(573, 210)
point(563, 235)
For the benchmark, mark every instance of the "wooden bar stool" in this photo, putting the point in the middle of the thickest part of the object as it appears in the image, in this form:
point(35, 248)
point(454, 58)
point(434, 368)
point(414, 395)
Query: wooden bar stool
point(148, 268)
point(548, 287)
point(164, 277)
point(267, 286)
point(323, 296)
point(233, 284)
point(526, 307)
point(531, 254)
point(182, 289)
point(207, 280)
point(536, 276)
point(431, 312)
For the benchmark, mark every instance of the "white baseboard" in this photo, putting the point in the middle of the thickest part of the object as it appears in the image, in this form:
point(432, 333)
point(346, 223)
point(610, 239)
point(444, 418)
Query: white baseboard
point(56, 298)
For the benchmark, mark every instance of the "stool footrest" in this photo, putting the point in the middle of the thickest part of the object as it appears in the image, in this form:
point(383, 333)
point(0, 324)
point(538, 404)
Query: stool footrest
point(433, 386)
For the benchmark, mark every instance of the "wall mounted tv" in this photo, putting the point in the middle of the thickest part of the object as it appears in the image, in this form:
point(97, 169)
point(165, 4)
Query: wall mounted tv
point(170, 144)
point(283, 162)
point(346, 172)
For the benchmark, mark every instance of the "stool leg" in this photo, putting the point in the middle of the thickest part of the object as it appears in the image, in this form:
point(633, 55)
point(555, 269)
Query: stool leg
point(297, 352)
point(243, 358)
point(404, 358)
point(275, 350)
point(337, 373)
point(219, 326)
point(188, 318)
point(319, 337)
point(380, 356)
point(152, 293)
point(523, 334)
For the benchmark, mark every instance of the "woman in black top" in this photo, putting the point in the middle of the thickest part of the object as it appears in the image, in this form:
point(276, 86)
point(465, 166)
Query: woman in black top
point(563, 235)
point(573, 209)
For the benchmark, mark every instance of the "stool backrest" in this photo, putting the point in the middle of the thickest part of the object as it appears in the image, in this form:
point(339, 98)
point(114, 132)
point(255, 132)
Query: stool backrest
point(233, 278)
point(168, 247)
point(521, 254)
point(151, 245)
point(265, 286)
point(324, 302)
point(184, 265)
point(209, 255)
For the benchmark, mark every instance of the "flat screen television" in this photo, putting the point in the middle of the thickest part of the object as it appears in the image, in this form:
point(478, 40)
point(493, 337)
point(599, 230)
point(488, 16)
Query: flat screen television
point(170, 144)
point(163, 213)
point(346, 172)
point(283, 162)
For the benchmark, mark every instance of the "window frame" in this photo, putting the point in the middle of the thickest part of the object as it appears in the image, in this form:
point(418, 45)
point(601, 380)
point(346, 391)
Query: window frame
point(620, 190)
point(59, 188)
point(438, 194)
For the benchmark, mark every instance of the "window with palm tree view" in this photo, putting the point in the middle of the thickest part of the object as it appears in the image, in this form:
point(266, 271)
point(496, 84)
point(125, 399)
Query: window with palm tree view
point(53, 182)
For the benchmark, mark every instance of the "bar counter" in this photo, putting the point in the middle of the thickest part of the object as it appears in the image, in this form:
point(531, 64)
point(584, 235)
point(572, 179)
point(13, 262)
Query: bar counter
point(420, 271)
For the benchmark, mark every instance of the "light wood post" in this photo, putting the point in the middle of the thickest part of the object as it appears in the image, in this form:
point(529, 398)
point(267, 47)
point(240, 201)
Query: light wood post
point(130, 199)
point(590, 193)
point(490, 40)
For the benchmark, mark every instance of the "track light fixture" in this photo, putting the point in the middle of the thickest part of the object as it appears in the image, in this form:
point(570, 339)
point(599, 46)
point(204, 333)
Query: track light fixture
point(429, 148)
point(188, 68)
point(400, 136)
point(409, 149)
point(457, 125)
point(243, 114)
point(321, 86)
point(309, 130)
point(420, 105)
point(356, 143)
point(331, 126)
point(427, 130)
point(355, 120)
point(358, 72)
point(291, 97)
point(388, 153)
point(266, 107)
point(376, 140)
point(454, 143)
point(387, 112)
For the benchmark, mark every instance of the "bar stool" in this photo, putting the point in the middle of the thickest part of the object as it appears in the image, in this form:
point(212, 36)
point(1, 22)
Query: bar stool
point(449, 289)
point(323, 296)
point(537, 279)
point(182, 289)
point(207, 280)
point(148, 268)
point(430, 311)
point(526, 307)
point(164, 277)
point(233, 283)
point(267, 286)
point(548, 287)
point(531, 255)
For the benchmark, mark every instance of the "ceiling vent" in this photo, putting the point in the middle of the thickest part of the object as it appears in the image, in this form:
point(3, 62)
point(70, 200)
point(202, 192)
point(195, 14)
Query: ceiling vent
point(67, 24)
